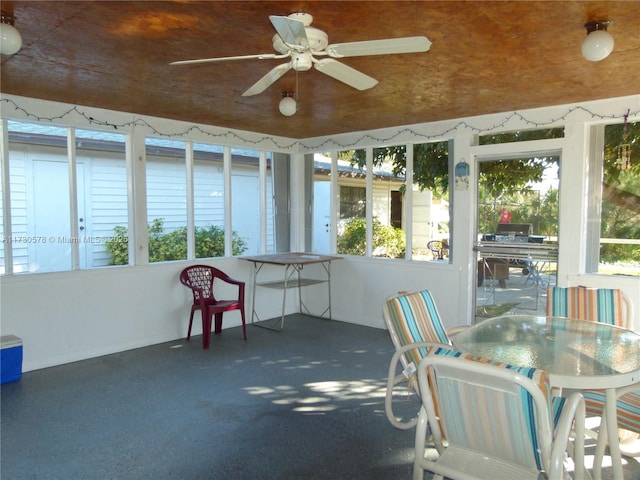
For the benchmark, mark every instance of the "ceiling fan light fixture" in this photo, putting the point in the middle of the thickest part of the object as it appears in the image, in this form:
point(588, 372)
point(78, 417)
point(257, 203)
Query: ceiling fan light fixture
point(599, 43)
point(10, 38)
point(288, 105)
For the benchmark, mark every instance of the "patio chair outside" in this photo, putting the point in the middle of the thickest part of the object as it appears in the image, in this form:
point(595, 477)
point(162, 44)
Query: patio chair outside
point(437, 248)
point(492, 421)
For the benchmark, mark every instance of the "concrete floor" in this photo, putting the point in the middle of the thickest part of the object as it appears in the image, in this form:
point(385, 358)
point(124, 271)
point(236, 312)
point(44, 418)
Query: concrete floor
point(520, 294)
point(304, 403)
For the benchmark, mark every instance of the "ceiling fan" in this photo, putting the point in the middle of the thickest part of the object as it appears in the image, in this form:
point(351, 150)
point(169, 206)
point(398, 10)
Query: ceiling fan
point(301, 43)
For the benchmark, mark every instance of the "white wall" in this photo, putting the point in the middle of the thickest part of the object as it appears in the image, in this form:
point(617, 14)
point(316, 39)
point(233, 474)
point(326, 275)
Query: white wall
point(360, 286)
point(67, 316)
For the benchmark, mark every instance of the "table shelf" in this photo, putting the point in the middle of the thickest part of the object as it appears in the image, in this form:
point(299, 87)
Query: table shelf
point(280, 285)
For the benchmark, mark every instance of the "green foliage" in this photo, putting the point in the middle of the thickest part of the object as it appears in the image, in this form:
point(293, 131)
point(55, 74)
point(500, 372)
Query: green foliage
point(525, 203)
point(354, 239)
point(173, 245)
point(620, 217)
point(521, 136)
point(166, 246)
point(118, 246)
point(616, 135)
point(387, 241)
point(525, 207)
point(430, 164)
point(508, 177)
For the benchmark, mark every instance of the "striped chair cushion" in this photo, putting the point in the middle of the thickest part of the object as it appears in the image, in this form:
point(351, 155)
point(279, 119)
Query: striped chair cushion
point(628, 408)
point(414, 318)
point(506, 418)
point(603, 305)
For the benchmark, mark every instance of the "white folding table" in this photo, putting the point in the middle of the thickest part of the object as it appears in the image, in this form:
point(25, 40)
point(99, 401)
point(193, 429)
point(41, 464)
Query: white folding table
point(293, 263)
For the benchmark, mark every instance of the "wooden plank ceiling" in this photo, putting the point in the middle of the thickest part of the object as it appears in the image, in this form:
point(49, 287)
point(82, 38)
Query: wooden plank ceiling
point(486, 57)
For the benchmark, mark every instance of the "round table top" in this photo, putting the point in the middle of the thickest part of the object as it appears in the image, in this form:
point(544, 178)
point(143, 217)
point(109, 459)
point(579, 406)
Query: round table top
point(576, 353)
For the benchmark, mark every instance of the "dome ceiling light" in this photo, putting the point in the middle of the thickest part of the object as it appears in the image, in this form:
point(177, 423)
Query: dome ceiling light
point(10, 38)
point(599, 43)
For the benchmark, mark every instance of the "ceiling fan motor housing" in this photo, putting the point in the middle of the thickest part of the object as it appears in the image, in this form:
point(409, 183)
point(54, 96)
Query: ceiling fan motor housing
point(318, 41)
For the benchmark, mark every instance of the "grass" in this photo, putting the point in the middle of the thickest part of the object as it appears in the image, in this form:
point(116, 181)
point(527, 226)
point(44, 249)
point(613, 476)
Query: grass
point(494, 310)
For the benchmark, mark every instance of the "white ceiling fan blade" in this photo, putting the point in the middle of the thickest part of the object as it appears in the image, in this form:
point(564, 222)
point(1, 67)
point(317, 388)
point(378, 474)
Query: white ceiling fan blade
point(268, 80)
point(345, 74)
point(262, 56)
point(291, 31)
point(379, 47)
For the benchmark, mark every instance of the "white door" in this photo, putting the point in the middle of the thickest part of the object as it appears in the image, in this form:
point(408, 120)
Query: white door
point(321, 217)
point(516, 285)
point(50, 225)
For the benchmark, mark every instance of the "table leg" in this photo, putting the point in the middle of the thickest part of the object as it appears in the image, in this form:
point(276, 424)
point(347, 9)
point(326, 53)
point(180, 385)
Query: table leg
point(254, 285)
point(611, 414)
point(287, 277)
point(254, 315)
point(328, 270)
point(298, 268)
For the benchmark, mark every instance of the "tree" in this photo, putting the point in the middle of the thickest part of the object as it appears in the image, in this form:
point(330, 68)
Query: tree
point(430, 164)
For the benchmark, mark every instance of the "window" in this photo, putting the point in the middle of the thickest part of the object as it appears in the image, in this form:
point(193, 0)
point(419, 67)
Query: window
point(519, 191)
point(39, 189)
point(70, 209)
point(167, 205)
point(166, 199)
point(208, 200)
point(353, 201)
point(384, 190)
point(102, 205)
point(247, 198)
point(431, 200)
point(389, 239)
point(615, 220)
point(521, 136)
point(352, 223)
point(50, 232)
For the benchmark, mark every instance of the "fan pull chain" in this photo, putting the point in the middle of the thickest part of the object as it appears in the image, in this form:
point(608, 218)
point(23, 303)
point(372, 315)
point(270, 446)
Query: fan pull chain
point(297, 93)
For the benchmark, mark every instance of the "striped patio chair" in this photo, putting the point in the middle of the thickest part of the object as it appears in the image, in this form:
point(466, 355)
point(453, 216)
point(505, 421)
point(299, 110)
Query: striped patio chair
point(414, 325)
point(610, 306)
point(493, 421)
point(628, 415)
point(605, 305)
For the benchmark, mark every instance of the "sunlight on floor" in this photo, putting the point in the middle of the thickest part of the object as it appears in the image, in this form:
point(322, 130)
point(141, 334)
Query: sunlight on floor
point(322, 396)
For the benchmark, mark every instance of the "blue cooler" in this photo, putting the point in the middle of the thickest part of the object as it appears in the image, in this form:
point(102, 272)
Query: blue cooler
point(10, 359)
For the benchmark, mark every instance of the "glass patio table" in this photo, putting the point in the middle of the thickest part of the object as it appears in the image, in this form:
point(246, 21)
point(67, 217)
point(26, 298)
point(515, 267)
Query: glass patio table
point(577, 354)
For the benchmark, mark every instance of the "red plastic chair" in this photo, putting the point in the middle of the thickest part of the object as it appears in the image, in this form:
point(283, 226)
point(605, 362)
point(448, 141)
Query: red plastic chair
point(200, 279)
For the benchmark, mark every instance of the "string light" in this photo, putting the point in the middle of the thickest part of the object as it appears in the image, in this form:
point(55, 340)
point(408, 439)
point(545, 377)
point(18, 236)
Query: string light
point(214, 133)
